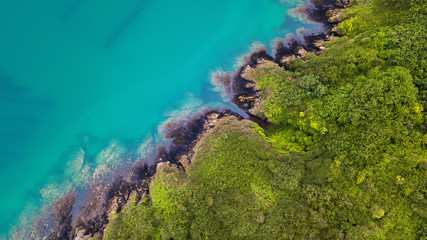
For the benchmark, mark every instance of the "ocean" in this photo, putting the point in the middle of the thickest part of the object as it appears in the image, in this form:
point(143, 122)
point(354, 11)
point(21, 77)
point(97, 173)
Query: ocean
point(86, 85)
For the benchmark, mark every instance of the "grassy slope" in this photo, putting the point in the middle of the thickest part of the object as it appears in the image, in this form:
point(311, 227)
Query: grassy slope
point(345, 159)
point(227, 193)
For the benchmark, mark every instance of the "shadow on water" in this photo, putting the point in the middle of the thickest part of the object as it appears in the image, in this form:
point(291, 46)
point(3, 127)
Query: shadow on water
point(122, 27)
point(20, 114)
point(71, 9)
point(10, 119)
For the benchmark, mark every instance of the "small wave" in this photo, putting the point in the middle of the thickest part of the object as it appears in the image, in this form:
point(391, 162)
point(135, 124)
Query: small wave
point(190, 106)
point(243, 59)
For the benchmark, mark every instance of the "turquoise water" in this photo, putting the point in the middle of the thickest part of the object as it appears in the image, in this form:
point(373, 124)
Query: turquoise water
point(82, 81)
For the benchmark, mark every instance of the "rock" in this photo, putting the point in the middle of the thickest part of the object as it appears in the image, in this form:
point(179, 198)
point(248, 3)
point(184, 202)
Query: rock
point(250, 85)
point(334, 15)
point(211, 120)
point(301, 52)
point(342, 3)
point(254, 110)
point(79, 234)
point(63, 218)
point(286, 60)
point(113, 208)
point(162, 155)
point(161, 165)
point(223, 78)
point(246, 99)
point(319, 44)
point(337, 30)
point(140, 171)
point(184, 160)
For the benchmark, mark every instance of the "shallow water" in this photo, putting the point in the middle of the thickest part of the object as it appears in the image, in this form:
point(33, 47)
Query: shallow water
point(82, 82)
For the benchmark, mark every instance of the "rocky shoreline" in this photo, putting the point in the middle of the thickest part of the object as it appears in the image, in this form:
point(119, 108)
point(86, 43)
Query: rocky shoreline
point(107, 200)
point(328, 13)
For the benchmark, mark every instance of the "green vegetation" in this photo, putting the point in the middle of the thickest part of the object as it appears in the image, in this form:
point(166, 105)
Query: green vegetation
point(220, 196)
point(345, 158)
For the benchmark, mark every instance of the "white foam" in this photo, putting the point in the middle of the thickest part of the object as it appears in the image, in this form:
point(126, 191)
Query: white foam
point(190, 106)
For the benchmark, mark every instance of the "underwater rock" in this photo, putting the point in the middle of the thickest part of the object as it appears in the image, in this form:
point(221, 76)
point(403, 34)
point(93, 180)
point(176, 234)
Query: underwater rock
point(63, 218)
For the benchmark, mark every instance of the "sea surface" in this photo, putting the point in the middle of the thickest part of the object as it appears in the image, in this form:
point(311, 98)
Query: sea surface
point(85, 84)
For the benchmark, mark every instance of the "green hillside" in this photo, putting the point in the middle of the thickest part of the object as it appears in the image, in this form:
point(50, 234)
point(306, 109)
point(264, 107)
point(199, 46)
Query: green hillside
point(345, 157)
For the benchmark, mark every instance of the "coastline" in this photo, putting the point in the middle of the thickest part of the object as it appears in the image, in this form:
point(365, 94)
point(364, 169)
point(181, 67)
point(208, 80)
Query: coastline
point(111, 198)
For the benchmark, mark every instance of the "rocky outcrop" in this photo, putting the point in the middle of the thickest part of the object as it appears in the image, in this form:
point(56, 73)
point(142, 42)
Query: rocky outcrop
point(286, 60)
point(185, 135)
point(334, 15)
point(327, 12)
point(317, 10)
point(63, 218)
point(342, 3)
point(107, 200)
point(246, 94)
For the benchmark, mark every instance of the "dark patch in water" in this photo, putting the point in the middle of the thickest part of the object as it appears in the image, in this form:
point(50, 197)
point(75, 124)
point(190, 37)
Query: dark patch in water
point(72, 8)
point(8, 157)
point(24, 101)
point(124, 25)
point(13, 119)
point(18, 111)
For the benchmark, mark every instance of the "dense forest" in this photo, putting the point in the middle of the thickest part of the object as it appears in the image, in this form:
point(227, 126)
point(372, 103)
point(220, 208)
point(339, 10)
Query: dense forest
point(344, 158)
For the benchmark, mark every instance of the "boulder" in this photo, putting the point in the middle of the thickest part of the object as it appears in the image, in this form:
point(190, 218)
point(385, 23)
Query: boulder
point(286, 60)
point(63, 218)
point(337, 30)
point(334, 15)
point(319, 44)
point(342, 3)
point(301, 52)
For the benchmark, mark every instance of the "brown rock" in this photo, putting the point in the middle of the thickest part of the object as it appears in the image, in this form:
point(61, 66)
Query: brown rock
point(342, 3)
point(246, 99)
point(319, 43)
point(302, 52)
point(254, 110)
point(286, 60)
point(337, 30)
point(63, 218)
point(334, 15)
point(211, 120)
